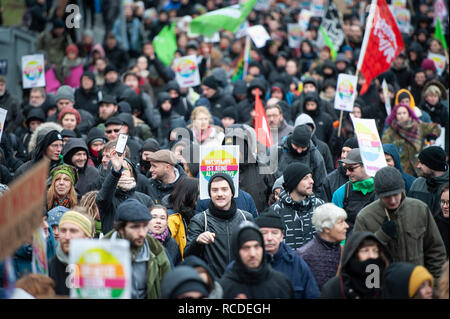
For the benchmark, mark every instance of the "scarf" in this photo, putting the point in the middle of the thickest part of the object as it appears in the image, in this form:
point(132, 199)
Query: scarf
point(61, 202)
point(357, 275)
point(365, 186)
point(223, 214)
point(161, 237)
point(126, 183)
point(62, 257)
point(409, 130)
point(202, 136)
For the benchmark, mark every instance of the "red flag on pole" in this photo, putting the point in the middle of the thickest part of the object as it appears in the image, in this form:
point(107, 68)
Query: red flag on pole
point(382, 43)
point(262, 129)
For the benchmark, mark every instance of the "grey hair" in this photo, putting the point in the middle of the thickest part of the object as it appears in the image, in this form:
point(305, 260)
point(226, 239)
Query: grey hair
point(326, 215)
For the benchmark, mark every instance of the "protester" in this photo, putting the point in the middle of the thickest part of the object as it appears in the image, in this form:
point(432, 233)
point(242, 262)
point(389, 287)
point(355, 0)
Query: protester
point(392, 157)
point(441, 217)
point(54, 217)
point(62, 189)
point(183, 282)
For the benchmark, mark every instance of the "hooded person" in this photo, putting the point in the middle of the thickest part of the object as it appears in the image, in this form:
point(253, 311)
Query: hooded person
point(247, 105)
point(95, 141)
point(88, 94)
point(76, 153)
point(169, 118)
point(209, 233)
point(251, 275)
point(393, 159)
point(361, 250)
point(183, 282)
point(324, 122)
point(415, 56)
point(217, 98)
point(35, 115)
point(180, 103)
point(404, 96)
point(321, 145)
point(149, 146)
point(407, 281)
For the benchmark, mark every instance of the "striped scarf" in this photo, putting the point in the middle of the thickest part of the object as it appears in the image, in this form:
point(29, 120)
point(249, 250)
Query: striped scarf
point(409, 130)
point(61, 202)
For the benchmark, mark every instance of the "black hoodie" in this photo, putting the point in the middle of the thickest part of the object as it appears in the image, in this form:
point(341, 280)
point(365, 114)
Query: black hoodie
point(88, 100)
point(323, 121)
point(244, 107)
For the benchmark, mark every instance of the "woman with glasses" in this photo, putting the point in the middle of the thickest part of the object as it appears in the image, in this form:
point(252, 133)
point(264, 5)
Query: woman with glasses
point(441, 217)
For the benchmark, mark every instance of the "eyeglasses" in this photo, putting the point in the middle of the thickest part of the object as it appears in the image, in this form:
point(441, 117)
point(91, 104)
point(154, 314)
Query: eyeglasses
point(116, 130)
point(445, 202)
point(351, 168)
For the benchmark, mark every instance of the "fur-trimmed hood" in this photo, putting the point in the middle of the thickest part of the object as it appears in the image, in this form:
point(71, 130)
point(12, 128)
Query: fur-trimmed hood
point(44, 128)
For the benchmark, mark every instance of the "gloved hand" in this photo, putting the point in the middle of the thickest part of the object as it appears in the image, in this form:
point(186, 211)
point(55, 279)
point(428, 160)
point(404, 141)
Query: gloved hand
point(390, 228)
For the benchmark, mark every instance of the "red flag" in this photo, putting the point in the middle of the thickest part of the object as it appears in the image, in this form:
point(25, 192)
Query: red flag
point(383, 44)
point(262, 129)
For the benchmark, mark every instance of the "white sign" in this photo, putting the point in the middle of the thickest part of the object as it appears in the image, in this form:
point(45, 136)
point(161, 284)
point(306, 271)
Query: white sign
point(335, 33)
point(345, 92)
point(439, 62)
point(101, 269)
point(262, 5)
point(403, 18)
point(318, 8)
point(303, 19)
point(242, 31)
point(218, 160)
point(259, 35)
point(33, 71)
point(2, 121)
point(187, 73)
point(369, 142)
point(387, 100)
point(295, 35)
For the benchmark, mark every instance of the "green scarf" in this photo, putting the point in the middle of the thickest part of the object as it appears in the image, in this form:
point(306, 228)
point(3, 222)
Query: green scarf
point(365, 186)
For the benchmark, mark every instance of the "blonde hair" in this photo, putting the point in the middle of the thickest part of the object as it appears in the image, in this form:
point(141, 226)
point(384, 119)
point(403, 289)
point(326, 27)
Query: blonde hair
point(51, 193)
point(88, 202)
point(443, 282)
point(201, 109)
point(433, 90)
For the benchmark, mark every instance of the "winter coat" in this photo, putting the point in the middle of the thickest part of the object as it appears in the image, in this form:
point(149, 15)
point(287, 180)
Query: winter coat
point(297, 218)
point(57, 272)
point(322, 258)
point(407, 151)
point(55, 47)
point(345, 285)
point(284, 130)
point(52, 83)
point(87, 121)
point(162, 191)
point(219, 102)
point(442, 224)
point(297, 107)
point(116, 89)
point(171, 245)
point(181, 104)
point(392, 150)
point(155, 270)
point(73, 71)
point(110, 197)
point(117, 57)
point(323, 121)
point(14, 117)
point(404, 76)
point(88, 100)
point(427, 190)
point(261, 283)
point(85, 174)
point(244, 201)
point(332, 182)
point(218, 254)
point(286, 261)
point(178, 229)
point(245, 106)
point(214, 138)
point(419, 241)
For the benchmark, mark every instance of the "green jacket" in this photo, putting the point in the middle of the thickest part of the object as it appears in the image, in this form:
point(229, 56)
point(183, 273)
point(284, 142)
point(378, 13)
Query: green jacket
point(158, 265)
point(419, 241)
point(406, 150)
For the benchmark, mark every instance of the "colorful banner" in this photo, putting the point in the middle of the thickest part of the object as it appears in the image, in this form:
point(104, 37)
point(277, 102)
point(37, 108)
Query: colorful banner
point(33, 71)
point(369, 142)
point(187, 73)
point(259, 35)
point(303, 19)
point(295, 35)
point(39, 257)
point(318, 8)
point(439, 62)
point(102, 269)
point(2, 121)
point(403, 18)
point(345, 92)
point(387, 100)
point(398, 4)
point(333, 31)
point(218, 160)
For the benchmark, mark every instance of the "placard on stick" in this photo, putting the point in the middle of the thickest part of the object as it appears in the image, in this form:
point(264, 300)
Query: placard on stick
point(345, 92)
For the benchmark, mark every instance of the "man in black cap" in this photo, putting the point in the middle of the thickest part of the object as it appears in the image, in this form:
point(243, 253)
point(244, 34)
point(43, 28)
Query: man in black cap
point(113, 85)
point(403, 224)
point(149, 260)
point(96, 141)
point(402, 71)
point(209, 233)
point(433, 171)
point(216, 97)
point(251, 276)
point(149, 147)
point(299, 148)
point(283, 258)
point(107, 107)
point(296, 204)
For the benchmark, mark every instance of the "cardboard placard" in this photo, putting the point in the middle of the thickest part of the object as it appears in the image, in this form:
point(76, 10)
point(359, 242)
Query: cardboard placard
point(345, 92)
point(33, 71)
point(187, 72)
point(439, 61)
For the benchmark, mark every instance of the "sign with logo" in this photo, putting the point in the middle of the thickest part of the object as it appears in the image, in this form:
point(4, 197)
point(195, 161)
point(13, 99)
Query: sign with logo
point(439, 62)
point(102, 269)
point(187, 73)
point(215, 160)
point(33, 71)
point(295, 35)
point(318, 8)
point(39, 257)
point(345, 92)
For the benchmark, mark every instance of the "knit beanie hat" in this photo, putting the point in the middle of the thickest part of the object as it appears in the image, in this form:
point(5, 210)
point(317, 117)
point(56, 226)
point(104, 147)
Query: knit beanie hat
point(434, 158)
point(225, 177)
point(351, 142)
point(428, 64)
point(269, 218)
point(151, 145)
point(55, 214)
point(72, 48)
point(388, 181)
point(69, 110)
point(248, 234)
point(301, 136)
point(50, 137)
point(230, 111)
point(180, 280)
point(419, 275)
point(96, 135)
point(65, 92)
point(211, 82)
point(132, 210)
point(69, 170)
point(293, 174)
point(78, 219)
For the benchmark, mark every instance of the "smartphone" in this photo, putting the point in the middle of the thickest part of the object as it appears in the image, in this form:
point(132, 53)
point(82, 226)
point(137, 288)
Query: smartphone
point(121, 143)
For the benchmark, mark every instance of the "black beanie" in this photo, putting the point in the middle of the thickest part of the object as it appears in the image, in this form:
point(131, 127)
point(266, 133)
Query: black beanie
point(51, 137)
point(248, 234)
point(225, 177)
point(230, 111)
point(293, 174)
point(301, 135)
point(211, 82)
point(351, 142)
point(269, 218)
point(151, 145)
point(434, 158)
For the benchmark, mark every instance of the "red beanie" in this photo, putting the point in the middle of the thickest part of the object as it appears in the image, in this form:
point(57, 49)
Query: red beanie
point(70, 110)
point(72, 48)
point(428, 64)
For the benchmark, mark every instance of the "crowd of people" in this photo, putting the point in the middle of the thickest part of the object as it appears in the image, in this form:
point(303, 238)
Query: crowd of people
point(308, 229)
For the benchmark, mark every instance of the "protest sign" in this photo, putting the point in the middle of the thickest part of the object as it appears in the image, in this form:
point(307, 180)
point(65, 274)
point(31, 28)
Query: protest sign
point(398, 4)
point(223, 159)
point(295, 35)
point(372, 153)
point(403, 18)
point(3, 113)
point(21, 208)
point(33, 71)
point(187, 73)
point(39, 256)
point(101, 269)
point(305, 4)
point(303, 19)
point(387, 100)
point(439, 62)
point(262, 5)
point(345, 92)
point(334, 32)
point(259, 35)
point(242, 31)
point(318, 8)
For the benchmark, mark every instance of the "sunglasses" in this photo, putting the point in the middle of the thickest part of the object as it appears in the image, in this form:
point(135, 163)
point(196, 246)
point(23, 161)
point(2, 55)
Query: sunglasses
point(117, 130)
point(351, 168)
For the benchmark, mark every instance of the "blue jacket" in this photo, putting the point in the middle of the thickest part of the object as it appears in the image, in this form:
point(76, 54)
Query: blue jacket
point(244, 201)
point(135, 41)
point(295, 268)
point(392, 150)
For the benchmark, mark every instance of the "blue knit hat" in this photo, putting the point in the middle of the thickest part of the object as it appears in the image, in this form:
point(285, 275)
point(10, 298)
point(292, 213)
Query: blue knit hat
point(55, 214)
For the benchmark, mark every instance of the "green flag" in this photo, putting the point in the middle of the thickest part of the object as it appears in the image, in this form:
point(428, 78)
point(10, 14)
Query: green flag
point(165, 44)
point(328, 42)
point(439, 35)
point(229, 18)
